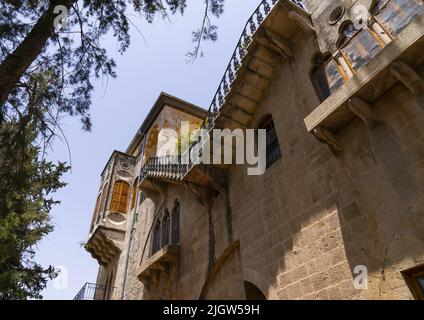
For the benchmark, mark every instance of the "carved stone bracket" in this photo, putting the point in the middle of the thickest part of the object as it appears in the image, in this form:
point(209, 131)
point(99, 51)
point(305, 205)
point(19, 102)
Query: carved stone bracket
point(217, 178)
point(275, 43)
point(363, 110)
point(159, 265)
point(233, 123)
point(408, 76)
point(327, 137)
point(302, 22)
point(203, 194)
point(153, 189)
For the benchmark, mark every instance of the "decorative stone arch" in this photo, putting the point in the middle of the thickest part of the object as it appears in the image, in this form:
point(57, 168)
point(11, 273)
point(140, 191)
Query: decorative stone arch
point(261, 282)
point(229, 251)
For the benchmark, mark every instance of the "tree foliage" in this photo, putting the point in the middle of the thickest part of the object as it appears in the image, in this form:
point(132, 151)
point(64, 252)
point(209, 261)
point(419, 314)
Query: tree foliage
point(26, 183)
point(46, 73)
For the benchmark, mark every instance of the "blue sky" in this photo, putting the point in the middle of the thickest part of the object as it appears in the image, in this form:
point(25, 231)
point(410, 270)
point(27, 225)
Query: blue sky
point(154, 63)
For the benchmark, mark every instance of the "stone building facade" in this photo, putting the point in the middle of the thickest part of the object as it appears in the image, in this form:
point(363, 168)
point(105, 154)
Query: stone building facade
point(339, 211)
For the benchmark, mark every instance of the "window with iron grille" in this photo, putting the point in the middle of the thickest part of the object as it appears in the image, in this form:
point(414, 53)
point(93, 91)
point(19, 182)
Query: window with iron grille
point(395, 15)
point(120, 197)
point(165, 229)
point(325, 75)
point(156, 238)
point(273, 152)
point(175, 220)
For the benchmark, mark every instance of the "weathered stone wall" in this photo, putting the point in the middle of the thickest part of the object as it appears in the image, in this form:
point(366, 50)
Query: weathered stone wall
point(314, 216)
point(299, 231)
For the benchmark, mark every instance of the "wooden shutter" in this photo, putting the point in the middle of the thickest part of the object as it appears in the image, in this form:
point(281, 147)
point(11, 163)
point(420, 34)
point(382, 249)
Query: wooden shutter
point(120, 197)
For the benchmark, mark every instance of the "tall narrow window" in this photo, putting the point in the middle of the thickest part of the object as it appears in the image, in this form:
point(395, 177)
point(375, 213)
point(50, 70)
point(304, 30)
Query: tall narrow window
point(165, 228)
point(273, 152)
point(156, 238)
point(319, 76)
point(347, 32)
point(103, 202)
point(134, 193)
point(120, 196)
point(175, 221)
point(396, 15)
point(96, 211)
point(358, 46)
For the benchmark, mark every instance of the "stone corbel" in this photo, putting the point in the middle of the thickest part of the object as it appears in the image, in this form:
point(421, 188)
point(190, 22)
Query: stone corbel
point(154, 191)
point(155, 276)
point(275, 43)
point(203, 194)
point(234, 123)
point(408, 76)
point(302, 22)
point(146, 281)
point(363, 110)
point(325, 136)
point(217, 178)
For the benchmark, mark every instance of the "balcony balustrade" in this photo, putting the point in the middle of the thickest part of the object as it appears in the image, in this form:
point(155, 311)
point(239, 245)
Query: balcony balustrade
point(92, 291)
point(178, 168)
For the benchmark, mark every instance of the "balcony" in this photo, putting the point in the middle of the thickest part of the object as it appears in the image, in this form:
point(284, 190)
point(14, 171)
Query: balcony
point(357, 78)
point(105, 244)
point(92, 291)
point(108, 227)
point(264, 40)
point(162, 262)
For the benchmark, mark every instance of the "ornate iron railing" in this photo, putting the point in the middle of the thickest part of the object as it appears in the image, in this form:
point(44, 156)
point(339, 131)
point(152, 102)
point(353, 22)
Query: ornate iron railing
point(167, 166)
point(92, 291)
point(252, 25)
point(194, 150)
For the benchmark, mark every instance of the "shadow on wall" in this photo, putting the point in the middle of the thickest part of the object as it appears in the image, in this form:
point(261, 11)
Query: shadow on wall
point(382, 228)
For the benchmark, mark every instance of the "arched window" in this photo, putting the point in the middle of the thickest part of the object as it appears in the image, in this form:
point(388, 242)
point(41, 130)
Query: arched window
point(319, 76)
point(396, 15)
point(134, 193)
point(120, 196)
point(175, 220)
point(347, 32)
point(166, 225)
point(103, 201)
point(96, 211)
point(273, 152)
point(156, 238)
point(378, 5)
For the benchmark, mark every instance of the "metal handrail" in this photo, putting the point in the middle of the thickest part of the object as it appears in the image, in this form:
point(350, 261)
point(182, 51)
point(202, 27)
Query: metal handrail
point(92, 291)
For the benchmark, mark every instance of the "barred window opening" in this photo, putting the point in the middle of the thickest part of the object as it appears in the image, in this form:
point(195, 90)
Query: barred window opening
point(165, 228)
point(175, 219)
point(156, 238)
point(273, 152)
